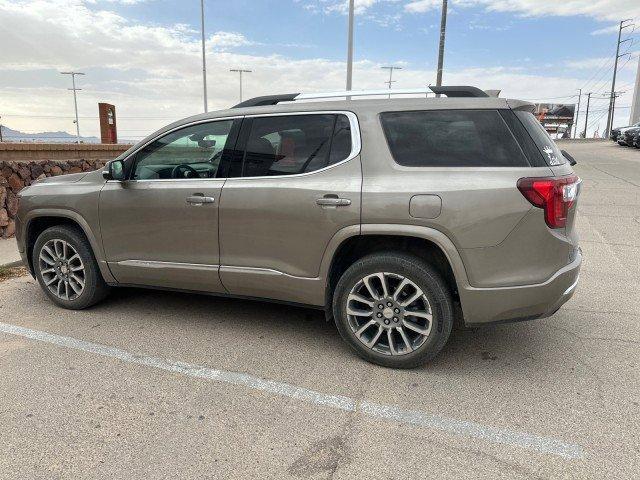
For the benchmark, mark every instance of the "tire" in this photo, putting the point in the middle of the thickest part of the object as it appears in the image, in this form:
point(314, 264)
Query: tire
point(61, 279)
point(408, 350)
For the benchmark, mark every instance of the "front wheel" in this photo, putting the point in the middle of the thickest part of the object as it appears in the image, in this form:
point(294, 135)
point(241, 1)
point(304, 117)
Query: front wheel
point(393, 310)
point(66, 268)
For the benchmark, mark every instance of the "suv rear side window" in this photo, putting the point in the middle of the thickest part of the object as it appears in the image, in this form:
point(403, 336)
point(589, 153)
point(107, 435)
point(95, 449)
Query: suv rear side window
point(545, 144)
point(293, 144)
point(451, 138)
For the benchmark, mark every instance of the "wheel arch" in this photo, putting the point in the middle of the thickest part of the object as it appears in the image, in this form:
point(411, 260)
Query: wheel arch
point(424, 242)
point(38, 221)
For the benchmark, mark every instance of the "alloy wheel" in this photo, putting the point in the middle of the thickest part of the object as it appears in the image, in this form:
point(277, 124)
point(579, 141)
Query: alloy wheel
point(389, 313)
point(62, 269)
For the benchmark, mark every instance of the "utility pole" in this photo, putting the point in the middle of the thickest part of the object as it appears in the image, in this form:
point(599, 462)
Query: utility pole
point(204, 59)
point(0, 128)
point(586, 119)
point(350, 47)
point(443, 31)
point(391, 69)
point(240, 71)
point(575, 130)
point(635, 104)
point(75, 100)
point(623, 24)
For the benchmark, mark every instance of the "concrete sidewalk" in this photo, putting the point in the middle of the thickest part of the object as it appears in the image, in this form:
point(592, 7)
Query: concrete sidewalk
point(9, 255)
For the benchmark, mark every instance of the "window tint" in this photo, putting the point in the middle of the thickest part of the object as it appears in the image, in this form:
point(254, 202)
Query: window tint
point(530, 149)
point(341, 144)
point(288, 145)
point(192, 152)
point(548, 147)
point(451, 138)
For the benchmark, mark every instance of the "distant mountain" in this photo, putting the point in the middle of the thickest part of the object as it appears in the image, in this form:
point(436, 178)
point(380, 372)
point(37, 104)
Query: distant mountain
point(10, 135)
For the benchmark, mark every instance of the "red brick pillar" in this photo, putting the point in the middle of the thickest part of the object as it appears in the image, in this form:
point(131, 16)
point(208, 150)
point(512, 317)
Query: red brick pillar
point(108, 130)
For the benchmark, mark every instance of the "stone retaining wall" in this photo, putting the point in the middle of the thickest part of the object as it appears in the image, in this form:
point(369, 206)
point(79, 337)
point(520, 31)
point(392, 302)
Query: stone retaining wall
point(15, 175)
point(27, 152)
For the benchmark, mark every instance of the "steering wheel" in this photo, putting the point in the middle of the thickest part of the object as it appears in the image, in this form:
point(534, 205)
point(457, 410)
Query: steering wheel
point(184, 171)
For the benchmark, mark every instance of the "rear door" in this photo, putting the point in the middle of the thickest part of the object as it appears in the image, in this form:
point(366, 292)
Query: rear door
point(296, 184)
point(160, 226)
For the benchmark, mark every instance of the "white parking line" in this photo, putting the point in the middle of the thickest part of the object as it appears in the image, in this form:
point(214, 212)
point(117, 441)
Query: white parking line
point(385, 412)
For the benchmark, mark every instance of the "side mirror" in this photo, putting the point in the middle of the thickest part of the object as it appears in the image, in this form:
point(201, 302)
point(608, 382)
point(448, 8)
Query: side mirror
point(114, 170)
point(565, 154)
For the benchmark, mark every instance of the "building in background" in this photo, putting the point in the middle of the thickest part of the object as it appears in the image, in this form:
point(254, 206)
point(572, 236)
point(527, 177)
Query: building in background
point(556, 118)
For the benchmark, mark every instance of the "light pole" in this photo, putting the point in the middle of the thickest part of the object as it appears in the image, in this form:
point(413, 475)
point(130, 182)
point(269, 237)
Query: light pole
point(443, 31)
point(391, 69)
point(350, 47)
point(75, 100)
point(204, 59)
point(240, 71)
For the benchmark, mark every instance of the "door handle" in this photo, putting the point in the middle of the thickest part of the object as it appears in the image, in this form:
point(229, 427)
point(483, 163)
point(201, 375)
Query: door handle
point(333, 201)
point(199, 199)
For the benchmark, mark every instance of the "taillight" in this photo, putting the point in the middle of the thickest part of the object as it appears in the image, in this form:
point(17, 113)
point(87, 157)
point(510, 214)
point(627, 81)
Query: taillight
point(555, 195)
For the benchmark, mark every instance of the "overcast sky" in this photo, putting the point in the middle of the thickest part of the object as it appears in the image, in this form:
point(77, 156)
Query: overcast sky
point(144, 55)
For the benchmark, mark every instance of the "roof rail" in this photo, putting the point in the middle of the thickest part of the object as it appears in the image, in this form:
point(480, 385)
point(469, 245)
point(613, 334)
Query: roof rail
point(363, 93)
point(449, 91)
point(458, 91)
point(267, 100)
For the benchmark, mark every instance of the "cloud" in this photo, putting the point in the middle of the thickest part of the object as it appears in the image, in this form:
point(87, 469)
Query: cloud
point(421, 6)
point(152, 73)
point(607, 30)
point(601, 10)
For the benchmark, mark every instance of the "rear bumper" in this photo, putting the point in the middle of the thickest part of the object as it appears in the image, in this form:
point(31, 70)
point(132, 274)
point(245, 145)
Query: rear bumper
point(526, 302)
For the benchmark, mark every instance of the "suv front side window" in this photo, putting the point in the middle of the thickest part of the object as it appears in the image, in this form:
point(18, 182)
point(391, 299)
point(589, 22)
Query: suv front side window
point(294, 144)
point(191, 152)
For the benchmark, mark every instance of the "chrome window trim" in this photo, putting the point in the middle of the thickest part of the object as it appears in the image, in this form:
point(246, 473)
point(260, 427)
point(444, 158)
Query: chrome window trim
point(356, 142)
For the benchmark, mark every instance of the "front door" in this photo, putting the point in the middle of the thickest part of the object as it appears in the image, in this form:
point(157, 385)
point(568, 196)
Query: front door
point(160, 227)
point(296, 185)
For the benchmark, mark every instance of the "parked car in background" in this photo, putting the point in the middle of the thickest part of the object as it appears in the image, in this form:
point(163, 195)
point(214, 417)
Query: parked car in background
point(615, 133)
point(627, 135)
point(395, 216)
point(636, 139)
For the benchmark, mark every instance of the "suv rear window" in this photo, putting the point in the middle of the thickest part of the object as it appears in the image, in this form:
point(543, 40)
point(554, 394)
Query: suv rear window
point(451, 138)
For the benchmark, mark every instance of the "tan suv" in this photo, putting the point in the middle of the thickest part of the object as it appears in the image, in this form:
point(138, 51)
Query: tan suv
point(395, 216)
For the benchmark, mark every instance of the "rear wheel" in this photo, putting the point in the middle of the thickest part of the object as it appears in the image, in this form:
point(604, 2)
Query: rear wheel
point(393, 310)
point(66, 268)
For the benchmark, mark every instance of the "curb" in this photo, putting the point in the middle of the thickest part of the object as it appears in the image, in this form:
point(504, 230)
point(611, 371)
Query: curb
point(17, 263)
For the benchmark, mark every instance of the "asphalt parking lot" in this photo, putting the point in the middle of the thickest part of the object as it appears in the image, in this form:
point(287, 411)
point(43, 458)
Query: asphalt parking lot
point(155, 385)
